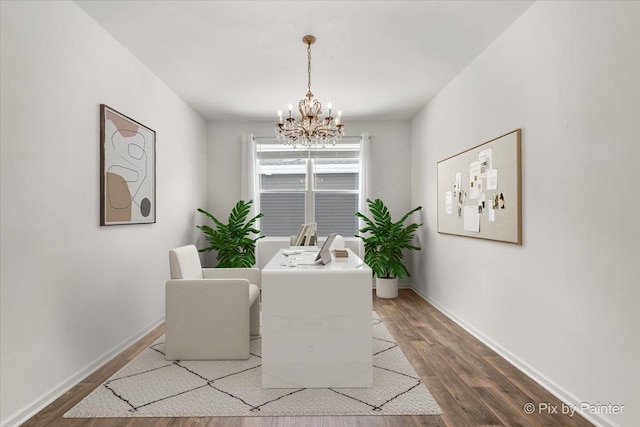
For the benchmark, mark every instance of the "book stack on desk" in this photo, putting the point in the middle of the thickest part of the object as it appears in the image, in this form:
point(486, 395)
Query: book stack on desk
point(341, 253)
point(307, 235)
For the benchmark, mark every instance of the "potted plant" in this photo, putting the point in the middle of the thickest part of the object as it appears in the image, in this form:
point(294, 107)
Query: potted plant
point(384, 245)
point(235, 247)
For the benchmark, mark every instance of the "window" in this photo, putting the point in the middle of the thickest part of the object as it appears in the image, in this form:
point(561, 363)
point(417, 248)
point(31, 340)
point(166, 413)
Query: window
point(298, 185)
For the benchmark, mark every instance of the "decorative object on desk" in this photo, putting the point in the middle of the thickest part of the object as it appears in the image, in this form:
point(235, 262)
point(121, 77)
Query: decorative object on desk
point(127, 170)
point(310, 129)
point(149, 386)
point(384, 245)
point(341, 253)
point(233, 242)
point(338, 242)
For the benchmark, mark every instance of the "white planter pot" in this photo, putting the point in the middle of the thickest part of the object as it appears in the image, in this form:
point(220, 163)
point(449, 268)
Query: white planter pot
point(386, 288)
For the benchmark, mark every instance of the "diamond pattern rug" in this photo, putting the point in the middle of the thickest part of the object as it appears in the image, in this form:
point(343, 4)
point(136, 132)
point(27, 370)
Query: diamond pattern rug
point(151, 386)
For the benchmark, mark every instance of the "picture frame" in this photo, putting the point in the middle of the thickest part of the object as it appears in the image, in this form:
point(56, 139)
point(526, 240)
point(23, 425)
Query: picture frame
point(479, 191)
point(127, 170)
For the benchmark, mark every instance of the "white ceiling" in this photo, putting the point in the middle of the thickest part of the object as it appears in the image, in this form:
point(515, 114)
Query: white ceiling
point(246, 59)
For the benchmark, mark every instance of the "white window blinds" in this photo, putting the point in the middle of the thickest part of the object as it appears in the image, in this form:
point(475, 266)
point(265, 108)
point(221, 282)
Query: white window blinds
point(297, 186)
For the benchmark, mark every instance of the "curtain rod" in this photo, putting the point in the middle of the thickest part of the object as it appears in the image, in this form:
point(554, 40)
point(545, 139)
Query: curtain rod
point(344, 137)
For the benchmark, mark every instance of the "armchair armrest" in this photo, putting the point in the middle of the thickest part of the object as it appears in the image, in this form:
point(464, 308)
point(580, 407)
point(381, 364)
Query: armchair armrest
point(228, 287)
point(220, 295)
point(251, 274)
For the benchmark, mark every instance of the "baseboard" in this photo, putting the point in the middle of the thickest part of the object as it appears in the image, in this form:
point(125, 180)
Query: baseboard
point(399, 286)
point(524, 367)
point(47, 398)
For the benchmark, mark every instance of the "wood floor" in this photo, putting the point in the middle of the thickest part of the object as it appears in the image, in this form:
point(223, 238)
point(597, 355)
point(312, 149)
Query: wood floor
point(471, 383)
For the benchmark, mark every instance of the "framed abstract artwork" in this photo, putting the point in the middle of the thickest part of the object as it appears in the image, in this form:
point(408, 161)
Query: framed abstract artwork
point(127, 170)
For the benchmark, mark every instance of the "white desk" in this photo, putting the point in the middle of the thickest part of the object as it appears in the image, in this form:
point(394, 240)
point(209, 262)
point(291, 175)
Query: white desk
point(316, 324)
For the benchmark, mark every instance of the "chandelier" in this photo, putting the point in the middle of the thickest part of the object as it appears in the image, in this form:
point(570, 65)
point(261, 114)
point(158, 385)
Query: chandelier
point(310, 128)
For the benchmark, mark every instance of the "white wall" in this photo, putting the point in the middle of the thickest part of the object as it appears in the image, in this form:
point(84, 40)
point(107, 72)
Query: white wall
point(74, 293)
point(564, 305)
point(390, 157)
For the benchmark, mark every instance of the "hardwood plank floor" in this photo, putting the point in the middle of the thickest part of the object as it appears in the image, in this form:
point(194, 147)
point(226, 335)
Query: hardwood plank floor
point(472, 384)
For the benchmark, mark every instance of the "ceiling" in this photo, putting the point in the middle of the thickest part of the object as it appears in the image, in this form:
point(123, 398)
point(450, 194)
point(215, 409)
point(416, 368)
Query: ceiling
point(239, 60)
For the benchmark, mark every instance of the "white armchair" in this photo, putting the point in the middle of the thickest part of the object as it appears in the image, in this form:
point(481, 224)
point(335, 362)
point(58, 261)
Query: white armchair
point(210, 312)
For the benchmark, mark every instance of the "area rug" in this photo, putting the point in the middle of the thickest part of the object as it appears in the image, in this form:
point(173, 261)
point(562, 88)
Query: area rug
point(151, 386)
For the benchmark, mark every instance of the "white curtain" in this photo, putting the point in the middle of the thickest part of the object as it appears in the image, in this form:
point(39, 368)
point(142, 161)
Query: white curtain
point(249, 178)
point(364, 186)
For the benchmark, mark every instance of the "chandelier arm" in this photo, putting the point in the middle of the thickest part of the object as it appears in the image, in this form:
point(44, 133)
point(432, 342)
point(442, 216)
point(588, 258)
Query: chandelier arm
point(325, 131)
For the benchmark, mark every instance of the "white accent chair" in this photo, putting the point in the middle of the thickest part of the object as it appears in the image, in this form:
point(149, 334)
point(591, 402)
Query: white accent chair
point(210, 312)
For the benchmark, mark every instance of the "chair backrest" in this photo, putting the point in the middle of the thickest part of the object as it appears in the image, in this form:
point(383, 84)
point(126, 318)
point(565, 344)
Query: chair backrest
point(185, 263)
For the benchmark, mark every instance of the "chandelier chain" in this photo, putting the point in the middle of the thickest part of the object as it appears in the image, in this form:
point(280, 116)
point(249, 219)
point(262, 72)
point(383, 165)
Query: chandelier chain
point(309, 67)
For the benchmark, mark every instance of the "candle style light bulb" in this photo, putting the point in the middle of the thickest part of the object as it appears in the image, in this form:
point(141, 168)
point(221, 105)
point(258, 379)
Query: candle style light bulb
point(339, 115)
point(280, 115)
point(329, 107)
point(290, 108)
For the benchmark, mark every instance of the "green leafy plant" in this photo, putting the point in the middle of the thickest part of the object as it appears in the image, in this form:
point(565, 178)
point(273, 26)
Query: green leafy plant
point(232, 241)
point(386, 240)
